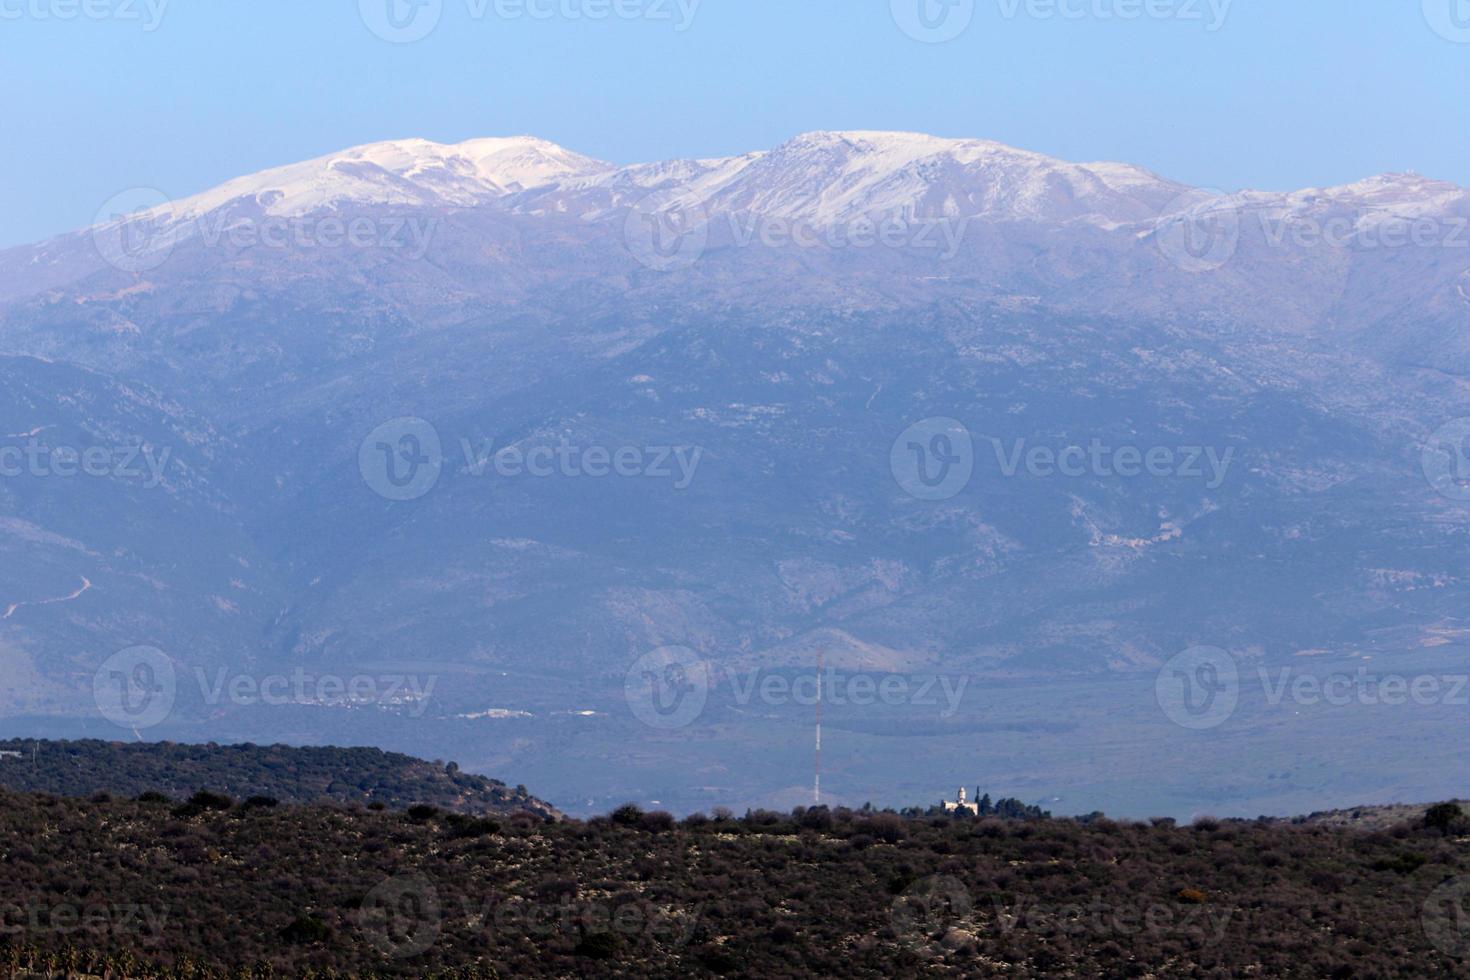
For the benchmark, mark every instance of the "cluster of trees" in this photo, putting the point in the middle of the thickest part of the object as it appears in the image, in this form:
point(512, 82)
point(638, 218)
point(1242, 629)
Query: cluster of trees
point(290, 774)
point(208, 886)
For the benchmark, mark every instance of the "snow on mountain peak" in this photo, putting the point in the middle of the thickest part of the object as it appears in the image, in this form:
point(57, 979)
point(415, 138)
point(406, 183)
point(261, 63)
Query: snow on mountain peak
point(402, 172)
point(821, 178)
point(829, 178)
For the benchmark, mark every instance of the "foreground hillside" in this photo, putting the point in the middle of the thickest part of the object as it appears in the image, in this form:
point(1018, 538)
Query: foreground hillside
point(151, 888)
point(1384, 816)
point(287, 774)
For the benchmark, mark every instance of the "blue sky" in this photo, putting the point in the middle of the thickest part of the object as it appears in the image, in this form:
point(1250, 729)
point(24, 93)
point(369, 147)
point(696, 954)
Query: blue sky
point(103, 95)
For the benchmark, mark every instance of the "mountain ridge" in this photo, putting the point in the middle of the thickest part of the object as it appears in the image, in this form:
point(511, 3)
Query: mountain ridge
point(1323, 368)
point(480, 171)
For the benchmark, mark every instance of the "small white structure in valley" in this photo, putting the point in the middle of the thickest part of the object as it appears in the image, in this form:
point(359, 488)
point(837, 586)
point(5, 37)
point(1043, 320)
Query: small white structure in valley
point(960, 804)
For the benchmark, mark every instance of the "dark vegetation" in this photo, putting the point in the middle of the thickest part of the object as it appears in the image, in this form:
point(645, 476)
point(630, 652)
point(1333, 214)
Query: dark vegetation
point(1380, 817)
point(280, 773)
point(211, 887)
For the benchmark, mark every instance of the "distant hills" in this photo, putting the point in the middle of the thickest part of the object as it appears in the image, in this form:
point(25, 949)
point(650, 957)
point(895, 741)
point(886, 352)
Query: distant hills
point(288, 774)
point(692, 404)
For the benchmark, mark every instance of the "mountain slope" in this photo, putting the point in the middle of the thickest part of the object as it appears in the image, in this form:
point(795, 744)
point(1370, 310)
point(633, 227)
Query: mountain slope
point(293, 775)
point(518, 310)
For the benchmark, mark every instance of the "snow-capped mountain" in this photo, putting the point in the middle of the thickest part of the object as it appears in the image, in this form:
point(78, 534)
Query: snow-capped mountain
point(974, 219)
point(827, 179)
point(412, 172)
point(262, 332)
point(820, 178)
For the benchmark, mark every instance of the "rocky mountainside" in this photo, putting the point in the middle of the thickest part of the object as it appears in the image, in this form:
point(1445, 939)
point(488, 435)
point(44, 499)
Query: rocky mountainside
point(505, 418)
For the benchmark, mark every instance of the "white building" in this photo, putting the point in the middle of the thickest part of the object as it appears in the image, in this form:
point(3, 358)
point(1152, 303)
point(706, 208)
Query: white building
point(960, 804)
